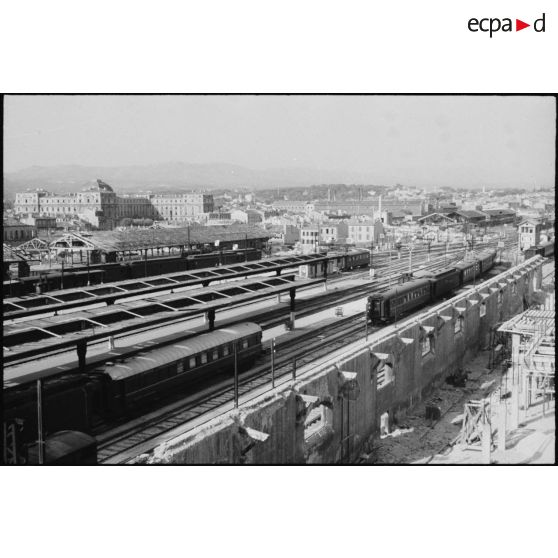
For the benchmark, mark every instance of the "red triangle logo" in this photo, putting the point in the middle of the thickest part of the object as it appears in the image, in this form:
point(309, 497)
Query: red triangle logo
point(519, 25)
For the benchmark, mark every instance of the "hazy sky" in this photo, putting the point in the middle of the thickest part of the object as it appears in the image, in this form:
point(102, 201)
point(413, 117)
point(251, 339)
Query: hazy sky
point(454, 141)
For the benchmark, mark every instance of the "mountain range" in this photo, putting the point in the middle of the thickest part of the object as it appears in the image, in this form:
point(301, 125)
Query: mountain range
point(174, 176)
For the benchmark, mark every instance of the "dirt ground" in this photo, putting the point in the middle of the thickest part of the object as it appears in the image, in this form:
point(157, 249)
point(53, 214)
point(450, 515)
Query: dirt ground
point(420, 440)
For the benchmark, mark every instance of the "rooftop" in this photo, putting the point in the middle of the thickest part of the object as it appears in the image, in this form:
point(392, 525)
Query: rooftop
point(136, 239)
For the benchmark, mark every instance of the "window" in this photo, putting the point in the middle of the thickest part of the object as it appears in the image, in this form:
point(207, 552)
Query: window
point(500, 297)
point(458, 325)
point(385, 374)
point(514, 287)
point(215, 355)
point(426, 345)
point(192, 362)
point(203, 358)
point(482, 309)
point(245, 343)
point(318, 423)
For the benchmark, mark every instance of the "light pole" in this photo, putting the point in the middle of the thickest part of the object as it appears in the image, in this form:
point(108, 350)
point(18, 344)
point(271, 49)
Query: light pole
point(410, 248)
point(88, 279)
point(235, 356)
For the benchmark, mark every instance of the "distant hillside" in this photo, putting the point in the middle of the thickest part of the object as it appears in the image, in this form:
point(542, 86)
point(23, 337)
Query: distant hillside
point(172, 176)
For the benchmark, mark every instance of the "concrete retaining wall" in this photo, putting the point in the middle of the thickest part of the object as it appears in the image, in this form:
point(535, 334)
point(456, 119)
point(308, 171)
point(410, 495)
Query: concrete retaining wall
point(343, 389)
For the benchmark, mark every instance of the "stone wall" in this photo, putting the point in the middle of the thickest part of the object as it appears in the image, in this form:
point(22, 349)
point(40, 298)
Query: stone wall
point(341, 395)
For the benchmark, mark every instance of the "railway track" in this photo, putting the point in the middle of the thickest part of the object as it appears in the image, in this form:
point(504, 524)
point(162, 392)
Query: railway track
point(277, 316)
point(124, 443)
point(144, 433)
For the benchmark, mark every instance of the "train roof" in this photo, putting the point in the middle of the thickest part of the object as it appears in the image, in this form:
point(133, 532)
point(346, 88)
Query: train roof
point(62, 446)
point(402, 289)
point(150, 359)
point(436, 274)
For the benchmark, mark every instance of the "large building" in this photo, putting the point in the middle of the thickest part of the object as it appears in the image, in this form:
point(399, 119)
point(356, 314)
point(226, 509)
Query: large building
point(99, 205)
point(179, 207)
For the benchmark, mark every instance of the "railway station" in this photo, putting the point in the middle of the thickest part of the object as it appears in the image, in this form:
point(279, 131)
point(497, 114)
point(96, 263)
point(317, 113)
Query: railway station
point(44, 335)
point(80, 334)
point(108, 293)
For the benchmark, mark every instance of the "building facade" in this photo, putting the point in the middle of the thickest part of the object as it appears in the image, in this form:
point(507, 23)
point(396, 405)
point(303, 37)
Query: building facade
point(361, 232)
point(310, 239)
point(180, 207)
point(529, 233)
point(331, 233)
point(100, 201)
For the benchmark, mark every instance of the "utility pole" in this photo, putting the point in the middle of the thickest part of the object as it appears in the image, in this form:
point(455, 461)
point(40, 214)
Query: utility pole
point(40, 421)
point(88, 278)
point(366, 317)
point(235, 349)
point(273, 362)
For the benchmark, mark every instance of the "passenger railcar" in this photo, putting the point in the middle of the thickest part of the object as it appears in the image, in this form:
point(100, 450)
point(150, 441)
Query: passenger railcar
point(393, 303)
point(346, 261)
point(356, 259)
point(443, 282)
point(545, 249)
point(159, 372)
point(128, 384)
point(486, 259)
point(469, 270)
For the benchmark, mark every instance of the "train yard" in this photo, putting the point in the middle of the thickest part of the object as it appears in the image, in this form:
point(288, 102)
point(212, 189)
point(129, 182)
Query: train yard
point(180, 317)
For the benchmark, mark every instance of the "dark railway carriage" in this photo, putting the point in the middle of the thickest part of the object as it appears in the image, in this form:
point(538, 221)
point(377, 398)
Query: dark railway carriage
point(394, 303)
point(546, 249)
point(345, 261)
point(487, 260)
point(443, 282)
point(356, 259)
point(469, 270)
point(67, 447)
point(156, 373)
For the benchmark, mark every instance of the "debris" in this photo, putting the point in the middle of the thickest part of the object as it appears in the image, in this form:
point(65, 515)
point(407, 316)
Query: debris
point(458, 419)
